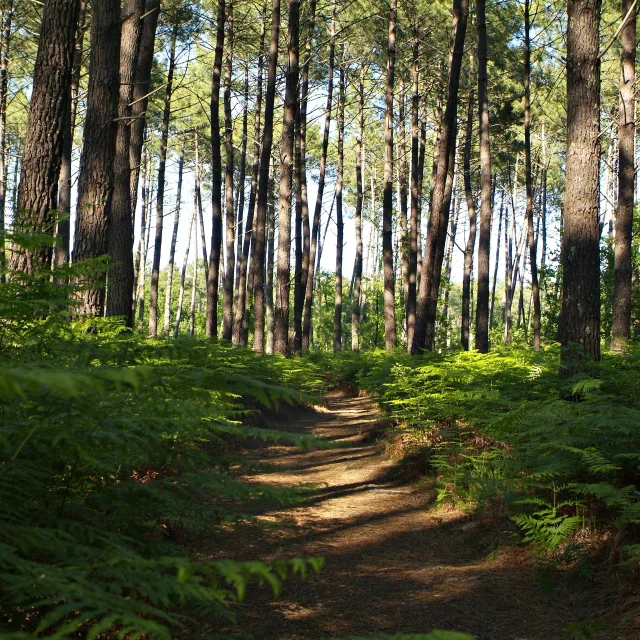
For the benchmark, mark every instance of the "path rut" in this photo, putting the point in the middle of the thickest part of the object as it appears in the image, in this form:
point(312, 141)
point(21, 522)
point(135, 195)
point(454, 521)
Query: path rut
point(394, 563)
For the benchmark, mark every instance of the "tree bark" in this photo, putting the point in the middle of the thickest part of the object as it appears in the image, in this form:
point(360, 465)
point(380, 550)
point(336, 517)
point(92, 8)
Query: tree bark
point(337, 310)
point(193, 233)
point(621, 326)
point(424, 335)
point(471, 239)
point(387, 201)
point(580, 251)
point(497, 262)
point(315, 229)
point(141, 258)
point(96, 181)
point(121, 276)
point(263, 183)
point(5, 38)
point(213, 270)
point(356, 305)
point(533, 244)
point(42, 152)
point(283, 283)
point(486, 200)
point(271, 229)
point(162, 165)
point(403, 200)
point(172, 248)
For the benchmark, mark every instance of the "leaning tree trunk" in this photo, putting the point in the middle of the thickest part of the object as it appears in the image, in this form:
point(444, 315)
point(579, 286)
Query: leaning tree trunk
point(387, 201)
point(486, 200)
point(283, 283)
point(121, 276)
point(337, 309)
point(162, 165)
point(240, 320)
point(580, 248)
point(213, 270)
point(315, 229)
point(141, 93)
point(357, 271)
point(172, 248)
point(303, 232)
point(424, 336)
point(42, 152)
point(227, 307)
point(471, 239)
point(96, 181)
point(533, 244)
point(263, 184)
point(621, 327)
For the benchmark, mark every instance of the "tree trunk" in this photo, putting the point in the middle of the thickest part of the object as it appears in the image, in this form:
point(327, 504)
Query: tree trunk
point(63, 244)
point(486, 200)
point(194, 283)
point(497, 263)
point(448, 262)
point(315, 230)
point(162, 165)
point(303, 232)
point(337, 311)
point(240, 321)
point(213, 270)
point(42, 152)
point(416, 179)
point(356, 305)
point(424, 335)
point(5, 38)
point(403, 199)
point(387, 202)
point(271, 229)
point(283, 283)
point(141, 93)
point(141, 259)
point(621, 327)
point(172, 248)
point(263, 183)
point(580, 251)
point(121, 276)
point(193, 233)
point(533, 245)
point(543, 213)
point(96, 181)
point(471, 239)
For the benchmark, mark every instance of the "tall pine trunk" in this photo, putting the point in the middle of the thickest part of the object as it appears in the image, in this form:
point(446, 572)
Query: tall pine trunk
point(141, 258)
point(42, 151)
point(337, 309)
point(96, 181)
point(213, 270)
point(193, 233)
point(271, 241)
point(497, 262)
point(621, 327)
point(356, 304)
point(580, 250)
point(424, 336)
point(5, 38)
point(162, 166)
point(283, 282)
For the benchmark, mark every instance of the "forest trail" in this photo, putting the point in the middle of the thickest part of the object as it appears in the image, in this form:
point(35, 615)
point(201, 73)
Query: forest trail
point(394, 564)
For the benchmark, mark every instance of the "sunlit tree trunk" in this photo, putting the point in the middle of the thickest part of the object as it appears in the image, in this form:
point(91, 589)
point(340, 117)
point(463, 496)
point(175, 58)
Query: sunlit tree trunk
point(356, 304)
point(193, 235)
point(6, 16)
point(497, 262)
point(271, 242)
point(337, 311)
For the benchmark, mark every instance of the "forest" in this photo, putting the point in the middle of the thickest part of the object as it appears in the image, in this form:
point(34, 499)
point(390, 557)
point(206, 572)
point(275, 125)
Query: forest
point(319, 319)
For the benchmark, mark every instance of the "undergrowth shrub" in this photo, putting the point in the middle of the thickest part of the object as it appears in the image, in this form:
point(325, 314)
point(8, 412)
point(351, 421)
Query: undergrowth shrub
point(498, 431)
point(113, 450)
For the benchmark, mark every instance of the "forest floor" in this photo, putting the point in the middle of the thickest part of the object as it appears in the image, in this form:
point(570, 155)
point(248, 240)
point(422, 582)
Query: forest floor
point(395, 562)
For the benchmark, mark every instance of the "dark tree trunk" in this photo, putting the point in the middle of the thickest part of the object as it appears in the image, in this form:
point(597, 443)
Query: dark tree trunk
point(240, 321)
point(403, 199)
point(172, 248)
point(356, 305)
point(283, 283)
point(5, 38)
point(543, 212)
point(580, 252)
point(387, 202)
point(213, 270)
point(263, 184)
point(416, 179)
point(63, 245)
point(621, 327)
point(140, 93)
point(315, 229)
point(121, 276)
point(271, 241)
point(533, 244)
point(95, 184)
point(227, 313)
point(194, 282)
point(486, 200)
point(497, 263)
point(337, 311)
point(471, 239)
point(162, 165)
point(424, 335)
point(42, 152)
point(303, 240)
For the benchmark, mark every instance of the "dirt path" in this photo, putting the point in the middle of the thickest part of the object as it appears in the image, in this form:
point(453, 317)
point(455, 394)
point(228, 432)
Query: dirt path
point(393, 563)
